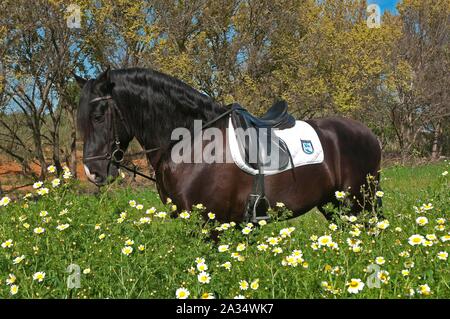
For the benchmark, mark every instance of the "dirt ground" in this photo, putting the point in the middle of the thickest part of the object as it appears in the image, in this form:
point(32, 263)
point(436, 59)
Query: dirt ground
point(12, 178)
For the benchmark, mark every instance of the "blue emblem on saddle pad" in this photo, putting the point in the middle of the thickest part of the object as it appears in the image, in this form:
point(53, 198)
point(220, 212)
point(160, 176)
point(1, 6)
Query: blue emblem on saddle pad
point(307, 147)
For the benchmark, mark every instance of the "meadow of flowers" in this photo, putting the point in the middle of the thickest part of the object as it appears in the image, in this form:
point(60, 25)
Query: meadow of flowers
point(59, 242)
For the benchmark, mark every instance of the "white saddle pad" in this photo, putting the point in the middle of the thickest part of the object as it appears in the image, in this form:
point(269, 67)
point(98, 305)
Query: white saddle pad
point(302, 141)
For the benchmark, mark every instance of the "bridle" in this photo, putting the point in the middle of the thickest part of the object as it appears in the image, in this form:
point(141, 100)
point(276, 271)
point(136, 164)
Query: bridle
point(116, 154)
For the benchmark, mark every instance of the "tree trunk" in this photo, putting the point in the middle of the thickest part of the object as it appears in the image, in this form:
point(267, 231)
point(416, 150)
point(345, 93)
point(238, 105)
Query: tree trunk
point(38, 147)
point(436, 149)
point(56, 155)
point(73, 145)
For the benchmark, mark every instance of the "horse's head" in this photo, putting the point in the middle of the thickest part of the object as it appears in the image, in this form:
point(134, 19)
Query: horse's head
point(103, 128)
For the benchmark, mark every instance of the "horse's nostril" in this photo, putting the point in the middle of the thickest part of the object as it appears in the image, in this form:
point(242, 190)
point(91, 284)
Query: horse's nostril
point(90, 175)
point(99, 180)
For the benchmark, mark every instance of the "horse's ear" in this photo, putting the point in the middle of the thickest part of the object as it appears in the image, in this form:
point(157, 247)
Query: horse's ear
point(105, 79)
point(81, 81)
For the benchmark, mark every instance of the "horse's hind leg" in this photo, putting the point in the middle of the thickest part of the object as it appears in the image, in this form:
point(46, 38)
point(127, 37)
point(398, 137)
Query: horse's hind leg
point(379, 202)
point(328, 215)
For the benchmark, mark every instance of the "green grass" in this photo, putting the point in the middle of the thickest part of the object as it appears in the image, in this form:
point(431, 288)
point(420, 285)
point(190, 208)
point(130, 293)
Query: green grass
point(172, 245)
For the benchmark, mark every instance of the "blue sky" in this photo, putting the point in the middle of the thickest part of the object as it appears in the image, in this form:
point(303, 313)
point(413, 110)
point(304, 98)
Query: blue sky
point(386, 5)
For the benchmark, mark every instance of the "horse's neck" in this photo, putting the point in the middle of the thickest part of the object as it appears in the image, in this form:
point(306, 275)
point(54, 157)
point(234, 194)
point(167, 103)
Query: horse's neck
point(156, 134)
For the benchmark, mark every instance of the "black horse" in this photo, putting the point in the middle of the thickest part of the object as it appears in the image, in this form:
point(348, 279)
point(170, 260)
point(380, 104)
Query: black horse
point(148, 105)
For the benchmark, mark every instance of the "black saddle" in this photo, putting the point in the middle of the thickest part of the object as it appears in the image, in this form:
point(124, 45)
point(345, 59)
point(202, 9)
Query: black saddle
point(276, 117)
point(258, 144)
point(262, 150)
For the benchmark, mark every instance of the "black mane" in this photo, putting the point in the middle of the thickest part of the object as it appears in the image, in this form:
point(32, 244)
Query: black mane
point(154, 103)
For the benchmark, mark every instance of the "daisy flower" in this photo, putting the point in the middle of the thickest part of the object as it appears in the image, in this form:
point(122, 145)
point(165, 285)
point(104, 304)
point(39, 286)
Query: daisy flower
point(39, 276)
point(442, 255)
point(277, 250)
point(352, 219)
point(262, 247)
point(42, 191)
point(332, 227)
point(211, 215)
point(355, 286)
point(379, 194)
point(421, 221)
point(424, 290)
point(243, 285)
point(262, 223)
point(14, 290)
point(254, 284)
point(383, 224)
point(8, 244)
point(202, 267)
point(207, 295)
point(11, 279)
point(182, 293)
point(67, 175)
point(39, 230)
point(185, 215)
point(51, 169)
point(204, 278)
point(383, 275)
point(223, 248)
point(226, 265)
point(38, 185)
point(286, 232)
point(415, 240)
point(246, 230)
point(18, 260)
point(62, 227)
point(5, 201)
point(380, 261)
point(56, 182)
point(324, 240)
point(127, 250)
point(273, 241)
point(339, 195)
point(161, 215)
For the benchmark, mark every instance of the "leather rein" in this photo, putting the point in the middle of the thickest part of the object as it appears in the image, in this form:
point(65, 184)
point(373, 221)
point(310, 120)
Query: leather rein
point(116, 155)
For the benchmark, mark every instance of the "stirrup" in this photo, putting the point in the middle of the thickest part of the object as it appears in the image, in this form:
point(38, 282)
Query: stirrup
point(260, 206)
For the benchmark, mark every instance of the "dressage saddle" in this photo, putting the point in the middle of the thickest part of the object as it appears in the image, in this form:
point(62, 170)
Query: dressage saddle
point(262, 149)
point(276, 117)
point(258, 144)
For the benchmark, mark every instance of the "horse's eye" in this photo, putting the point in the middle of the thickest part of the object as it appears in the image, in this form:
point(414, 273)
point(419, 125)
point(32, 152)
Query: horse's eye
point(98, 118)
